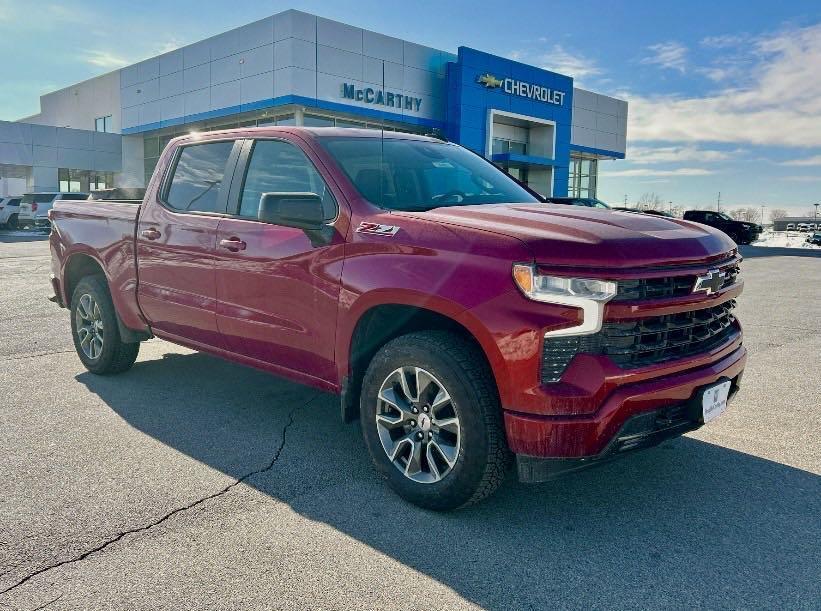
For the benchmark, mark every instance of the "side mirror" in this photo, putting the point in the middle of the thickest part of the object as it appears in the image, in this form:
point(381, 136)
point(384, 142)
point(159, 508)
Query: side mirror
point(300, 210)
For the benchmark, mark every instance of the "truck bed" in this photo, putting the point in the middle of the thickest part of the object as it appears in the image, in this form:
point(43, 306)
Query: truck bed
point(103, 231)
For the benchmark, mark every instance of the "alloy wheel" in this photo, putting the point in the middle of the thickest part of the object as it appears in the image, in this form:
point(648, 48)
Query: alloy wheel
point(418, 424)
point(89, 323)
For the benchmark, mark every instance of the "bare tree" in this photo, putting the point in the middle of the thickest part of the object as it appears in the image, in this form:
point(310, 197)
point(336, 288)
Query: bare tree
point(778, 213)
point(750, 214)
point(650, 201)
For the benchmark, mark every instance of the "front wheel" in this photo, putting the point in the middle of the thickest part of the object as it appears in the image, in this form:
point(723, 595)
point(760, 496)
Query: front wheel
point(95, 331)
point(431, 419)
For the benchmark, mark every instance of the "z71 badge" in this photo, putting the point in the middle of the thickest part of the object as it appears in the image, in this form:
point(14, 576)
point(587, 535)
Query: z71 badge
point(377, 229)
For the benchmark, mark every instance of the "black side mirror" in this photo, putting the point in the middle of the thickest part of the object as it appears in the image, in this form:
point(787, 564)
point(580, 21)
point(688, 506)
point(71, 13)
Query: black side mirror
point(300, 210)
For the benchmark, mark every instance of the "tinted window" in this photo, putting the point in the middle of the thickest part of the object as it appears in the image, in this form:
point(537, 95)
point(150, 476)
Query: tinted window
point(74, 196)
point(419, 174)
point(277, 166)
point(198, 176)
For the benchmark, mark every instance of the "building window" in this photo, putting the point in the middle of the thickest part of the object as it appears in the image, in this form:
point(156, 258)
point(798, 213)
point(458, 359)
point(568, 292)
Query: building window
point(583, 175)
point(505, 145)
point(83, 181)
point(103, 124)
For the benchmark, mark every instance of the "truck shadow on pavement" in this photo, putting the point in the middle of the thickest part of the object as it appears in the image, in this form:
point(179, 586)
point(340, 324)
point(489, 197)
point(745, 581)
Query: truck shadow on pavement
point(686, 524)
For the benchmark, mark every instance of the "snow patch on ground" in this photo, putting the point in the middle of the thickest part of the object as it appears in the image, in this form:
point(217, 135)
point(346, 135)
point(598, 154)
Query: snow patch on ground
point(785, 239)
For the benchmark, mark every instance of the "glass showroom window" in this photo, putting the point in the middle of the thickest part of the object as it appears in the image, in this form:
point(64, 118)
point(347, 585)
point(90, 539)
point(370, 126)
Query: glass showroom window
point(504, 145)
point(582, 177)
point(103, 124)
point(83, 181)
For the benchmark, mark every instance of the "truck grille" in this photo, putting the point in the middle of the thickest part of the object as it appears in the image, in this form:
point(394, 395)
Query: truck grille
point(670, 286)
point(645, 341)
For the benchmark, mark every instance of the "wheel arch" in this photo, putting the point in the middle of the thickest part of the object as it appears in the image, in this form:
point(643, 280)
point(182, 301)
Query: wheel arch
point(380, 322)
point(81, 265)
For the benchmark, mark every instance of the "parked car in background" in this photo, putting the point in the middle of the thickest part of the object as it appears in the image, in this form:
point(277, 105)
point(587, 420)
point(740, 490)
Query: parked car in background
point(814, 238)
point(456, 315)
point(34, 207)
point(804, 227)
point(9, 209)
point(739, 231)
point(790, 226)
point(590, 202)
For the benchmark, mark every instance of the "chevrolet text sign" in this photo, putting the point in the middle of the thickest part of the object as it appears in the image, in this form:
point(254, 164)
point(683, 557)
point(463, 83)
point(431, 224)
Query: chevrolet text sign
point(522, 88)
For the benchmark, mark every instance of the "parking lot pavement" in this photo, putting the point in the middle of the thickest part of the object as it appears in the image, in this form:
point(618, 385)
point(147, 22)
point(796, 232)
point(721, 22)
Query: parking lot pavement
point(189, 482)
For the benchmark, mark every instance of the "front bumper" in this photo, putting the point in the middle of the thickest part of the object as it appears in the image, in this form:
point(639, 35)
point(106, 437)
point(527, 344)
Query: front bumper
point(641, 431)
point(589, 437)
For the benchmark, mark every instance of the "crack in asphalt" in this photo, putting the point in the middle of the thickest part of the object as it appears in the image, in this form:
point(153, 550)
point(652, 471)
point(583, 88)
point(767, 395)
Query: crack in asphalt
point(172, 513)
point(43, 606)
point(33, 355)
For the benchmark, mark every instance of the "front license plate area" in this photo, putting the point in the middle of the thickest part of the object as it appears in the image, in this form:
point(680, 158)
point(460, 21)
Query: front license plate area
point(714, 400)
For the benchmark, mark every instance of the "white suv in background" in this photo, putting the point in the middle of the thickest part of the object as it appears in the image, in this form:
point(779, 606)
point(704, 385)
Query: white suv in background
point(9, 208)
point(34, 207)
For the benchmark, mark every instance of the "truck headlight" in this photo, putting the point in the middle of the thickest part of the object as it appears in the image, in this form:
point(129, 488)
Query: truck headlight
point(588, 294)
point(547, 288)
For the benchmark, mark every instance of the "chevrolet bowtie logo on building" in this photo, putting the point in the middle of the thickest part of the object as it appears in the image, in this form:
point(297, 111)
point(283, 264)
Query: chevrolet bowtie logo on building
point(710, 283)
point(522, 88)
point(489, 81)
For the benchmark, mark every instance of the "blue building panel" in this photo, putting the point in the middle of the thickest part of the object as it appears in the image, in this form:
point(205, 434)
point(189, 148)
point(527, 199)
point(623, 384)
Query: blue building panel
point(479, 83)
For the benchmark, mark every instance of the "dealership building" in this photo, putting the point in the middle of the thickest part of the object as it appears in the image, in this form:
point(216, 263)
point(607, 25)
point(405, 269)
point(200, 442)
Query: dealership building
point(299, 69)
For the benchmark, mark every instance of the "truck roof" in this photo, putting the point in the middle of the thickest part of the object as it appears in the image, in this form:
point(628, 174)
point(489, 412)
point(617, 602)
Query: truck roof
point(311, 132)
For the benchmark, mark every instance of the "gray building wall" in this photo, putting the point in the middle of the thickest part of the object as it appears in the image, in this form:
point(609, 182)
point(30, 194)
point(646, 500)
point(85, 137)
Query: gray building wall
point(291, 53)
point(599, 121)
point(45, 148)
point(78, 105)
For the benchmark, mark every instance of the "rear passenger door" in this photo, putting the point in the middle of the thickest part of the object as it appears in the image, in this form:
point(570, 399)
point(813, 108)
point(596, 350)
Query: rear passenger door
point(278, 287)
point(175, 242)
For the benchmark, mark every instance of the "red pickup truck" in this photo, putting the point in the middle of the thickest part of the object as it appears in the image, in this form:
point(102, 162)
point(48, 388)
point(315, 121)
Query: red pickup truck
point(465, 321)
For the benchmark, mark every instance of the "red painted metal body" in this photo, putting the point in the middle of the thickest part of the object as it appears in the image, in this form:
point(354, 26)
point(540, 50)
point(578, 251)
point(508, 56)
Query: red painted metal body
point(291, 306)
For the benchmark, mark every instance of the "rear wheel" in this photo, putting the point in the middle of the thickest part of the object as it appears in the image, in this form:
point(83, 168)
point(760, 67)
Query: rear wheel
point(12, 222)
point(431, 420)
point(95, 331)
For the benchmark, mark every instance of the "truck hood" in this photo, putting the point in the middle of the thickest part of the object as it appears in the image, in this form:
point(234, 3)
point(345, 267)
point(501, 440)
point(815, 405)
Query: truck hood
point(588, 237)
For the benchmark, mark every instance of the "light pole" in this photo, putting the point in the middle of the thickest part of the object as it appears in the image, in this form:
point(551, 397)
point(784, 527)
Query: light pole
point(815, 221)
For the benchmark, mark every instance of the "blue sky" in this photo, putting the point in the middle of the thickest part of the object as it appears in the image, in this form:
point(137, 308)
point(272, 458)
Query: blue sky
point(724, 96)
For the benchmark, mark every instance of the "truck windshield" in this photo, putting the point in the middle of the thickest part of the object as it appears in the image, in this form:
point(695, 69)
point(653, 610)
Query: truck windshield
point(401, 174)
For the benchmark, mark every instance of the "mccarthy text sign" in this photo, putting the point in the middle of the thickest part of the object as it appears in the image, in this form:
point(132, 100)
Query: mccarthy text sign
point(369, 95)
point(522, 88)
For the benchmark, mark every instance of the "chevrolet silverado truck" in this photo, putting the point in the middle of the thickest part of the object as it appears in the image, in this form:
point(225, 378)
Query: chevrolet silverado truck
point(467, 323)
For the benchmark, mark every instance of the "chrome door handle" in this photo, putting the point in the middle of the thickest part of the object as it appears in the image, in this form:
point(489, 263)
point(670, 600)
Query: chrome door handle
point(233, 244)
point(150, 234)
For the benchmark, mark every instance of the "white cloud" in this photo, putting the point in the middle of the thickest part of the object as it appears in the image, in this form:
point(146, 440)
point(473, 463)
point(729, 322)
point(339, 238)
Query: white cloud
point(104, 59)
point(778, 104)
point(558, 59)
point(724, 41)
point(806, 161)
point(670, 55)
point(656, 172)
point(668, 154)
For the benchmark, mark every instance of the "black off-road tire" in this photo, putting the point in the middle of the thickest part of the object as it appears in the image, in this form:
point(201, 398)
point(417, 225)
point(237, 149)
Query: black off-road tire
point(483, 457)
point(116, 355)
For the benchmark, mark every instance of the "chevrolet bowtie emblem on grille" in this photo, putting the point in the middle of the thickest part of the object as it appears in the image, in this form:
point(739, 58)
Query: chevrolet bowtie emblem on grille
point(489, 81)
point(710, 283)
